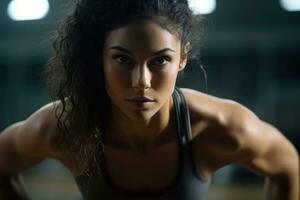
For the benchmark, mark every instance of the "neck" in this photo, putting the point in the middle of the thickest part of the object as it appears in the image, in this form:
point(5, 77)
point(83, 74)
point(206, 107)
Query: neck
point(140, 136)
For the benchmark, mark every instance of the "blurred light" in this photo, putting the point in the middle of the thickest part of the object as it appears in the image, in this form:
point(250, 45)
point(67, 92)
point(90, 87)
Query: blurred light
point(290, 5)
point(203, 7)
point(22, 10)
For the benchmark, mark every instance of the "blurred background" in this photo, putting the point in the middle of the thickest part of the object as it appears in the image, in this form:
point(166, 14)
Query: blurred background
point(250, 51)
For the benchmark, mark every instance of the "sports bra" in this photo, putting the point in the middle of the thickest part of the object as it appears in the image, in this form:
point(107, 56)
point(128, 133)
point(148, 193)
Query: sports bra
point(189, 184)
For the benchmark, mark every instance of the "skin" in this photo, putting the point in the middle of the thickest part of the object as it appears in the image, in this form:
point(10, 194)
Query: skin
point(150, 69)
point(143, 141)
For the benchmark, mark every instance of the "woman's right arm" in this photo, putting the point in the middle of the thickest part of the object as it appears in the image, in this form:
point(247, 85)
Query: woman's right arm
point(23, 145)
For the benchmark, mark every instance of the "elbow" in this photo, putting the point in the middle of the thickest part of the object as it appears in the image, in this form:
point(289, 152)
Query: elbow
point(292, 163)
point(289, 165)
point(287, 176)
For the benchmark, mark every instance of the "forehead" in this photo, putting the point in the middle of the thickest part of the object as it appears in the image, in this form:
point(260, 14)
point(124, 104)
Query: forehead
point(142, 36)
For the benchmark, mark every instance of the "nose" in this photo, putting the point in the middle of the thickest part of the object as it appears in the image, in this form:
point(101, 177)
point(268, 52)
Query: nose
point(141, 78)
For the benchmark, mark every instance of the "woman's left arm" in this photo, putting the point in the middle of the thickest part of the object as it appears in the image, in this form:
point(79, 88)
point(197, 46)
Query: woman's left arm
point(264, 150)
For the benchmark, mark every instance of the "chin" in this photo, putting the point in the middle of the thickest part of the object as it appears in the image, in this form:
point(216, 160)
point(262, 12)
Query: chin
point(141, 116)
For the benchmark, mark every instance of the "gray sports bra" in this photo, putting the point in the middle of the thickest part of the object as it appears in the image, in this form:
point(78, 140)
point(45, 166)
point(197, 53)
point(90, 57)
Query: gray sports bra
point(188, 184)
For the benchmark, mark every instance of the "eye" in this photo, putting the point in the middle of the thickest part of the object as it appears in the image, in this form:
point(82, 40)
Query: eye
point(162, 60)
point(121, 59)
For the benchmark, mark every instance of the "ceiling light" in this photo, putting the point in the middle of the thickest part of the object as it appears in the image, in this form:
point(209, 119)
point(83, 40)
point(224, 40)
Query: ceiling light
point(22, 10)
point(290, 5)
point(202, 7)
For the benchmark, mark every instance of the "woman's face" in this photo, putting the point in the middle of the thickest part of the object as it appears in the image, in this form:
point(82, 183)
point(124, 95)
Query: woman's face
point(141, 60)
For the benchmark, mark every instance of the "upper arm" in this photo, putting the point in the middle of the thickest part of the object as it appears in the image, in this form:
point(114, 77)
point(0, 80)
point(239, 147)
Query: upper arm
point(236, 135)
point(268, 151)
point(35, 134)
point(26, 143)
point(261, 147)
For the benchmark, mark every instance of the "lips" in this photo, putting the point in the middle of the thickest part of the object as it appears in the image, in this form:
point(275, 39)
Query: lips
point(140, 103)
point(140, 99)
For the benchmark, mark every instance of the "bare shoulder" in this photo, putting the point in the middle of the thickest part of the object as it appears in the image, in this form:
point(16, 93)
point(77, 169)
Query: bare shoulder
point(38, 130)
point(207, 107)
point(226, 128)
point(228, 115)
point(232, 133)
point(28, 142)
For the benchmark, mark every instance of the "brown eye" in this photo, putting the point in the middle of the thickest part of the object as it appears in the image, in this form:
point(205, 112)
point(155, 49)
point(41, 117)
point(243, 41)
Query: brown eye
point(163, 60)
point(121, 59)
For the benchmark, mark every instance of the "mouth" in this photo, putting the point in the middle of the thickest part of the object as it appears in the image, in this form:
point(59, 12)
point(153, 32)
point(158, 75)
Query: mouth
point(140, 102)
point(140, 99)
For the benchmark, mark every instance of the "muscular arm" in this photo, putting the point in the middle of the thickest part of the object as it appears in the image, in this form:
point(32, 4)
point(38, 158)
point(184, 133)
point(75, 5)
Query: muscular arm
point(226, 132)
point(12, 158)
point(263, 149)
point(270, 154)
point(23, 145)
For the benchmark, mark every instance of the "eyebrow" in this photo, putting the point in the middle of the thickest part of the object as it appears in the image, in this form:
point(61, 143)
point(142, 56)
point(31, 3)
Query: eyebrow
point(129, 52)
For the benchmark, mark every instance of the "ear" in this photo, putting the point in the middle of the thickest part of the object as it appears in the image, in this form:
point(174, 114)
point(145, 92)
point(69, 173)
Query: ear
point(184, 56)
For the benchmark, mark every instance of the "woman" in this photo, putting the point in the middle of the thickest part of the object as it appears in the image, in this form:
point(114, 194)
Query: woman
point(122, 127)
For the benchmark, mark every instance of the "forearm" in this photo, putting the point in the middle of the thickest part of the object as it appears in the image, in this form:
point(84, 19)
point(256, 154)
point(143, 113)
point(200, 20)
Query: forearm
point(9, 157)
point(11, 187)
point(283, 188)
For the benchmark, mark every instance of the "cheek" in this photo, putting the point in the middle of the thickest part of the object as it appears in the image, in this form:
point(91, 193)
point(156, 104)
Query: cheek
point(165, 83)
point(114, 82)
point(113, 76)
point(166, 78)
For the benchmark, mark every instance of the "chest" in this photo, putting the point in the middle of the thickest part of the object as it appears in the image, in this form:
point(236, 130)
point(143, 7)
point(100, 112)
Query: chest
point(155, 170)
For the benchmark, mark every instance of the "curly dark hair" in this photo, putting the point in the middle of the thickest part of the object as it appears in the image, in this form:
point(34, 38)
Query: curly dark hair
point(74, 73)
